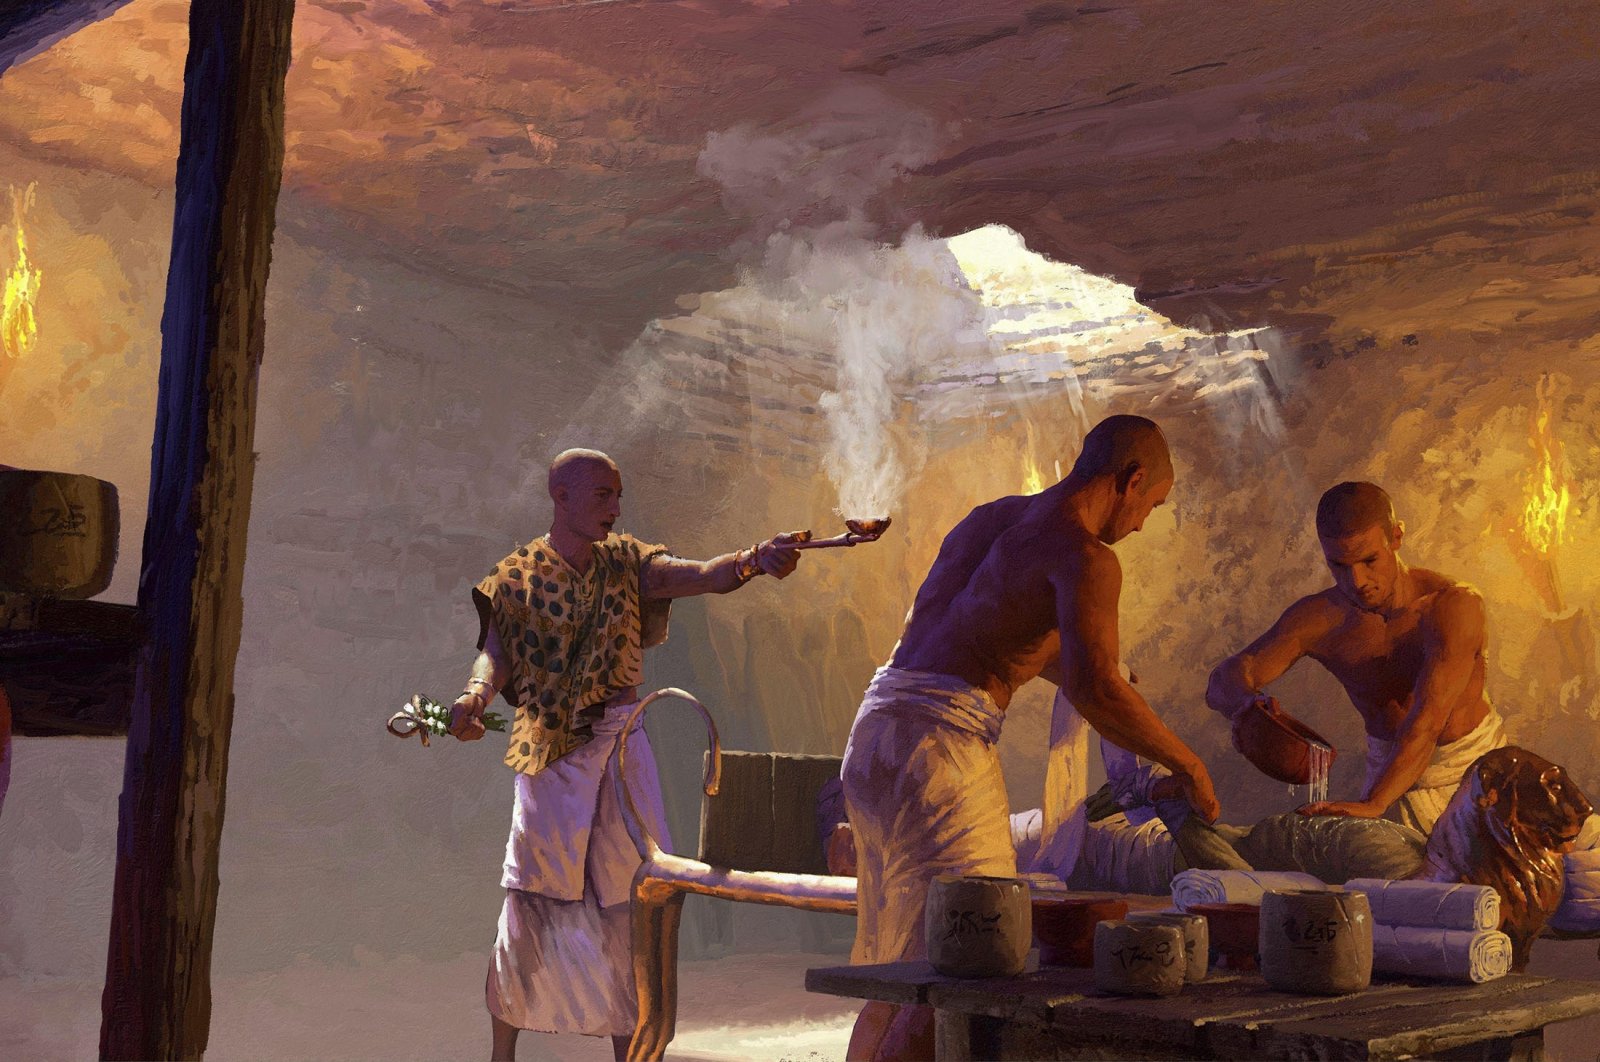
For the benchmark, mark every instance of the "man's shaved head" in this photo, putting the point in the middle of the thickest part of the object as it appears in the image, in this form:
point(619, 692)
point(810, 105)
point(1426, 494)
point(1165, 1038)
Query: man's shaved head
point(1350, 508)
point(571, 465)
point(1120, 444)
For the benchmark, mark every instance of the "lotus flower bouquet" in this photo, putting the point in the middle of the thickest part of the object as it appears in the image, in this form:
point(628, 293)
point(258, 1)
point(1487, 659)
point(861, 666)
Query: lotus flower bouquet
point(424, 716)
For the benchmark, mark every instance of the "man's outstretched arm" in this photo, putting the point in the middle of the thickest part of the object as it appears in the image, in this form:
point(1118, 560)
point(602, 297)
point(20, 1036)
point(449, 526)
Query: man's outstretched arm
point(1452, 640)
point(1238, 681)
point(1087, 592)
point(489, 672)
point(666, 576)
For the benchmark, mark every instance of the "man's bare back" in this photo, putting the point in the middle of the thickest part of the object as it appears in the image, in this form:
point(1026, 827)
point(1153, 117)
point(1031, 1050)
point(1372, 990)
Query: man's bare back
point(1027, 586)
point(987, 611)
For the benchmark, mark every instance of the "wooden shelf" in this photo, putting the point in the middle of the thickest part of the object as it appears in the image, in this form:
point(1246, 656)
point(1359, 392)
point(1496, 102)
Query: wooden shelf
point(68, 666)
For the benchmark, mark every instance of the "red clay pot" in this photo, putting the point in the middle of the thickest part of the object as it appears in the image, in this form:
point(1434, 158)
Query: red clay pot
point(1235, 932)
point(1064, 927)
point(1276, 742)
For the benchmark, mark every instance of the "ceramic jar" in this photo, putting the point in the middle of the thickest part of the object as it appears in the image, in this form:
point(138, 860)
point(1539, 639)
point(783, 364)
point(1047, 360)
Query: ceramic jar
point(978, 926)
point(1319, 943)
point(1196, 939)
point(58, 534)
point(1139, 958)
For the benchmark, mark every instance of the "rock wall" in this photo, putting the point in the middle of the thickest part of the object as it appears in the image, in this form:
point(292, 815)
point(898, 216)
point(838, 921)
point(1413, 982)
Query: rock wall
point(406, 416)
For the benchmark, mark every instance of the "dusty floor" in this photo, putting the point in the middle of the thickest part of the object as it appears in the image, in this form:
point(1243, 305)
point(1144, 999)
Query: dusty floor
point(747, 1007)
point(739, 1008)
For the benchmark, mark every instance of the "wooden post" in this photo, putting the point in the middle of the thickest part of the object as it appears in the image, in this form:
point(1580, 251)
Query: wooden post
point(157, 1002)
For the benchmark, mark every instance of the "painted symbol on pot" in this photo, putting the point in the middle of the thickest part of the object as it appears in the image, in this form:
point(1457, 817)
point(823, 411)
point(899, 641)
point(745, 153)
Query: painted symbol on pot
point(1131, 955)
point(62, 521)
point(970, 923)
point(1313, 934)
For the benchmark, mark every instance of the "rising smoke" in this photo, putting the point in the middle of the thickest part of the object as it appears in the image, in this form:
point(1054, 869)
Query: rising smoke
point(882, 313)
point(889, 333)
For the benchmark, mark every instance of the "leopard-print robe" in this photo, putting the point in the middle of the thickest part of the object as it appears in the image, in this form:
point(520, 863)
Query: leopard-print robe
point(567, 656)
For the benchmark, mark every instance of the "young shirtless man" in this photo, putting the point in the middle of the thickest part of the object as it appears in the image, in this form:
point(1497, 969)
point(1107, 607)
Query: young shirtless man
point(1022, 587)
point(1406, 643)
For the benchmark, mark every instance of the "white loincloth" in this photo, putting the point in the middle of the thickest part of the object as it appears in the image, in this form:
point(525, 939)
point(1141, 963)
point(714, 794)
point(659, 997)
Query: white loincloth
point(1422, 804)
point(925, 796)
point(562, 958)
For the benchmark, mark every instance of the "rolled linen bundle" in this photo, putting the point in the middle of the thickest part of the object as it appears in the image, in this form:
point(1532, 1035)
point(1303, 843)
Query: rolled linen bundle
point(1449, 954)
point(1236, 886)
point(1580, 899)
point(1429, 904)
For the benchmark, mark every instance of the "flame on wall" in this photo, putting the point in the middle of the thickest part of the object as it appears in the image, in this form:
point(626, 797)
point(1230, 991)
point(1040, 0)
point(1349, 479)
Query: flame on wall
point(19, 327)
point(1544, 514)
point(1033, 479)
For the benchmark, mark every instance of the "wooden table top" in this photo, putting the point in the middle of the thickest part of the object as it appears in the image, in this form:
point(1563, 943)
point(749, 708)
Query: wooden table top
point(1235, 1015)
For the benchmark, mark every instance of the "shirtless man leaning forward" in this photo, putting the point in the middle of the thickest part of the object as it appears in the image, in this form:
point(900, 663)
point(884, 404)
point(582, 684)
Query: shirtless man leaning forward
point(1022, 587)
point(1406, 643)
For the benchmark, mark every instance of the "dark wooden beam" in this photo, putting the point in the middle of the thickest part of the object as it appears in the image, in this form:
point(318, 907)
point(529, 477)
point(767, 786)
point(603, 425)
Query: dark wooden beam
point(157, 1002)
point(28, 27)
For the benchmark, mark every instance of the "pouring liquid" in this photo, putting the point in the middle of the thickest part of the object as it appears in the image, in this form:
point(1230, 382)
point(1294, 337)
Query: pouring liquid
point(1321, 763)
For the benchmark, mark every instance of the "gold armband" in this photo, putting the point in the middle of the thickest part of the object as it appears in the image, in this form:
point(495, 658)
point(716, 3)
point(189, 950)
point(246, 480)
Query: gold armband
point(745, 564)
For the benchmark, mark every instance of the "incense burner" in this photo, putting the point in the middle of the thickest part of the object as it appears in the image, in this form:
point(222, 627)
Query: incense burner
point(856, 531)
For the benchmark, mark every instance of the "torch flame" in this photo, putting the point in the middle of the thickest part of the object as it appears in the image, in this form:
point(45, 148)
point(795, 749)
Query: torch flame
point(19, 328)
point(1544, 516)
point(1033, 480)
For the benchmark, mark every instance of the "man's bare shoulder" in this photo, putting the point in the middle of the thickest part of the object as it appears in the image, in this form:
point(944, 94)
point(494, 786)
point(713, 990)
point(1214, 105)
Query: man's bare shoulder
point(1429, 583)
point(1073, 553)
point(1008, 510)
point(1319, 612)
point(1454, 605)
point(982, 521)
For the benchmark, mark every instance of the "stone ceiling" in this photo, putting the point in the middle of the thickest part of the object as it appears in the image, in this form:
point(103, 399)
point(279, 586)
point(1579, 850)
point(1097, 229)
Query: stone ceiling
point(1395, 167)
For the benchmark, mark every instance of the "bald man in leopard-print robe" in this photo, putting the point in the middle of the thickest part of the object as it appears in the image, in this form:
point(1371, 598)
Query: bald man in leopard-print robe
point(564, 621)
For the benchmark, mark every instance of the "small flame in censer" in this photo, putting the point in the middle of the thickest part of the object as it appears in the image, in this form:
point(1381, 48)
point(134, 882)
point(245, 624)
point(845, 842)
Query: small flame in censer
point(19, 328)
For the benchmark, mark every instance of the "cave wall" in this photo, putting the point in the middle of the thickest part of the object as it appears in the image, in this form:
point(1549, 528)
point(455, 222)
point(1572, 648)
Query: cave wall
point(404, 424)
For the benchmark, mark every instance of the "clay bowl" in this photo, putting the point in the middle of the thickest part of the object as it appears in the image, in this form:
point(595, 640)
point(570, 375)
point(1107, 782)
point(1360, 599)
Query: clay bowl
point(1063, 927)
point(868, 528)
point(1235, 932)
point(1277, 743)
